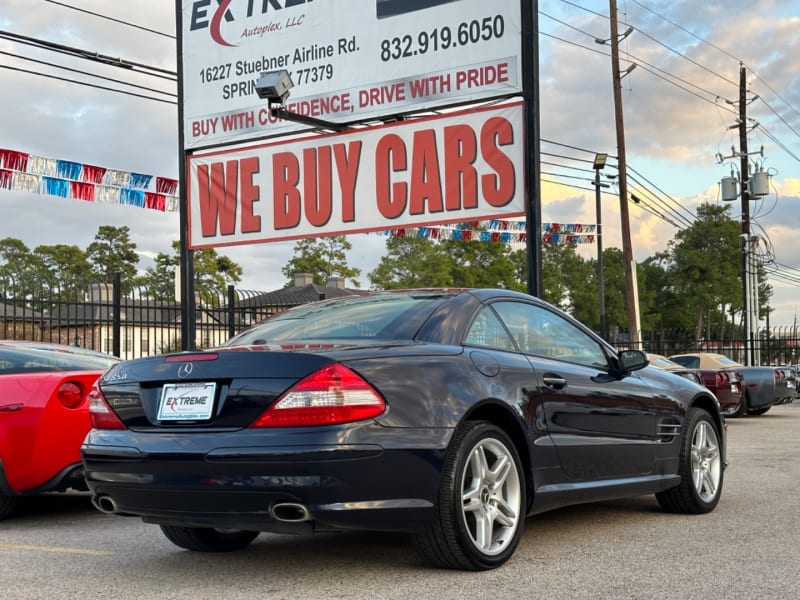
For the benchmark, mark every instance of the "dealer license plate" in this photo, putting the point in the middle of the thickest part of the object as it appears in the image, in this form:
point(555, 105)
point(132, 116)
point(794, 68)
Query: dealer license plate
point(186, 401)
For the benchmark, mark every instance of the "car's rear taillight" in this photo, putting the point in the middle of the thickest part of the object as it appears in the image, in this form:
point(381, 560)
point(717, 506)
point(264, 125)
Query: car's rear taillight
point(334, 394)
point(99, 410)
point(722, 377)
point(778, 375)
point(70, 394)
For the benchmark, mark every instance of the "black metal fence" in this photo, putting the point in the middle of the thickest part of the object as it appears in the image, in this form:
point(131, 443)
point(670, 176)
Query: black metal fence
point(773, 346)
point(131, 322)
point(127, 322)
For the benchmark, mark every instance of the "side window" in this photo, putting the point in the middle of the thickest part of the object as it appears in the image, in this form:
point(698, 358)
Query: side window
point(487, 330)
point(542, 332)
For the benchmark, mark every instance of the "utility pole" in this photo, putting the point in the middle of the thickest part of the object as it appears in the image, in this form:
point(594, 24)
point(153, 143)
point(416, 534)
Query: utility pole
point(744, 168)
point(631, 298)
point(751, 186)
point(599, 163)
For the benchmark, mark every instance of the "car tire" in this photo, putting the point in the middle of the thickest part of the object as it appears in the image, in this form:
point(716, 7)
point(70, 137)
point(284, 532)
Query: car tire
point(481, 507)
point(758, 411)
point(700, 467)
point(203, 539)
point(7, 504)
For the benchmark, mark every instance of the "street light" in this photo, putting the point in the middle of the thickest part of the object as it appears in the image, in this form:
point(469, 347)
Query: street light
point(274, 87)
point(599, 164)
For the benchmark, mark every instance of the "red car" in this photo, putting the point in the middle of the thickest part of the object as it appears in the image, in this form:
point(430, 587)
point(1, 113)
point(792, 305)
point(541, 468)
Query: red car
point(44, 416)
point(722, 376)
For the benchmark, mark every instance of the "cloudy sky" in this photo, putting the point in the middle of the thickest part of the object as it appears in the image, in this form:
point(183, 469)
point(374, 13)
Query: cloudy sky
point(677, 104)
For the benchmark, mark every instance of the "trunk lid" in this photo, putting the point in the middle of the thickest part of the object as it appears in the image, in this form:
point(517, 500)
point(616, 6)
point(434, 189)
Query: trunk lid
point(226, 388)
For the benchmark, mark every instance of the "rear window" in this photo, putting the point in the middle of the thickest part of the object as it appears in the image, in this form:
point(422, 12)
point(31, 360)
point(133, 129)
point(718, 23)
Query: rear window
point(693, 362)
point(379, 317)
point(41, 359)
point(663, 363)
point(724, 360)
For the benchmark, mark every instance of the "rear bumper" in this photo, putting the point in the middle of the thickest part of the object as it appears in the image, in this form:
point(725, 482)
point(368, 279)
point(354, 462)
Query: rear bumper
point(729, 399)
point(235, 480)
point(70, 477)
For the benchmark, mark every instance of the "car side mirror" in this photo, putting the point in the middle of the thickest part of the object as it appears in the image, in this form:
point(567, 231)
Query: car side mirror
point(632, 360)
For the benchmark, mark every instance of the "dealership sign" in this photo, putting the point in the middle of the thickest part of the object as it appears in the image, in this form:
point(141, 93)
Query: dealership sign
point(461, 166)
point(350, 61)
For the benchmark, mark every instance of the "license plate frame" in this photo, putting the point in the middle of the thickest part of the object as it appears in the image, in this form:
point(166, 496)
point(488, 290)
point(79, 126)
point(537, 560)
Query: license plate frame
point(187, 401)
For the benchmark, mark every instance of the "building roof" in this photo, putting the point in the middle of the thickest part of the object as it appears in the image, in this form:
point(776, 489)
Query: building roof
point(296, 295)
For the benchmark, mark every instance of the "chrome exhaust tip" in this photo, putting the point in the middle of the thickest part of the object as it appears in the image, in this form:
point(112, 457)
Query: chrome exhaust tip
point(105, 504)
point(291, 512)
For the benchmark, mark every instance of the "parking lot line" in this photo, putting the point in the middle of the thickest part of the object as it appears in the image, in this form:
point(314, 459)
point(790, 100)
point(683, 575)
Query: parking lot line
point(55, 549)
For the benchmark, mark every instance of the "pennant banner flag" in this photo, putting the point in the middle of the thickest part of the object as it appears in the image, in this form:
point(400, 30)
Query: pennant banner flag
point(506, 232)
point(24, 172)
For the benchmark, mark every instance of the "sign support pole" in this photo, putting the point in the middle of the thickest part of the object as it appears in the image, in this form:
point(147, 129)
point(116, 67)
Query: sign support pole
point(530, 93)
point(188, 324)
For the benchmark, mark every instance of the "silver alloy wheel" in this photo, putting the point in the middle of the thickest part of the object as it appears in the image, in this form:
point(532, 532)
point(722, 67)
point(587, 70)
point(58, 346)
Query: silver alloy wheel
point(706, 461)
point(491, 496)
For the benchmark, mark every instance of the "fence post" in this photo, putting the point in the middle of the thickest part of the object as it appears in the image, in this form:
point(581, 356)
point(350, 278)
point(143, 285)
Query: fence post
point(231, 312)
point(116, 315)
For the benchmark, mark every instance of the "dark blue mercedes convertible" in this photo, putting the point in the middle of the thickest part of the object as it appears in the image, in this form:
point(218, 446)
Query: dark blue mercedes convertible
point(450, 414)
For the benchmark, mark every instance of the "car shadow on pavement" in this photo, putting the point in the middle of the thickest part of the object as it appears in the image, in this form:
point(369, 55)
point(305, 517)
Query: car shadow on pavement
point(52, 506)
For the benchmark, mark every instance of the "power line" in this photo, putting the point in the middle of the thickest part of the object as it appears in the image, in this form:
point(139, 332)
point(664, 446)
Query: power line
point(570, 147)
point(685, 223)
point(632, 59)
point(697, 37)
point(552, 164)
point(774, 112)
point(726, 53)
point(71, 70)
point(687, 211)
point(565, 24)
point(585, 9)
point(99, 87)
point(777, 142)
point(564, 175)
point(572, 158)
point(722, 50)
point(656, 213)
point(660, 43)
point(88, 12)
point(92, 56)
point(569, 185)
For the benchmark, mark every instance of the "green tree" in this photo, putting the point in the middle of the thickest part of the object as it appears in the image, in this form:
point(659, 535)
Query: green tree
point(482, 264)
point(322, 258)
point(667, 309)
point(67, 265)
point(412, 262)
point(158, 281)
point(112, 251)
point(420, 262)
point(20, 269)
point(614, 288)
point(564, 277)
point(706, 260)
point(519, 266)
point(213, 273)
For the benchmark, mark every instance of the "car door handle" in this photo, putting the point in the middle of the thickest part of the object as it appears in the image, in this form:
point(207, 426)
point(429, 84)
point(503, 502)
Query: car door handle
point(10, 407)
point(554, 381)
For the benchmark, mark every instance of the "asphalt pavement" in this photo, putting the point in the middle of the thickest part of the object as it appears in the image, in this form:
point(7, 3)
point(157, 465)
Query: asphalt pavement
point(58, 547)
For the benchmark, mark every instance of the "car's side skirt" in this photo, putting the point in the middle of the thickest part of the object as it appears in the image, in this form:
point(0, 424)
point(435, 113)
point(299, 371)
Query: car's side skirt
point(548, 497)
